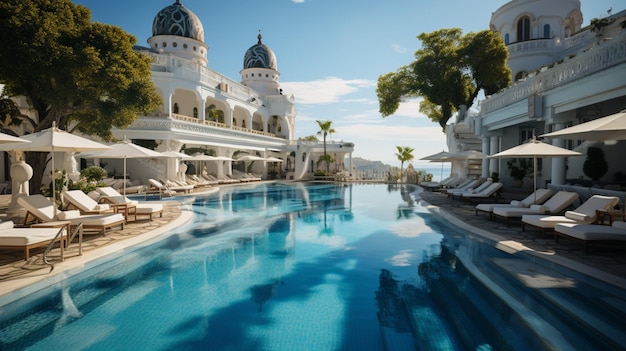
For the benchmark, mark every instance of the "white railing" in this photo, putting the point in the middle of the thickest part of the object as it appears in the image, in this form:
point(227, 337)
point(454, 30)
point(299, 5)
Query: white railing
point(369, 175)
point(600, 57)
point(219, 125)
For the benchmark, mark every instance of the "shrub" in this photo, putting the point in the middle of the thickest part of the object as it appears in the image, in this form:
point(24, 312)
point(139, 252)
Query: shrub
point(595, 165)
point(93, 173)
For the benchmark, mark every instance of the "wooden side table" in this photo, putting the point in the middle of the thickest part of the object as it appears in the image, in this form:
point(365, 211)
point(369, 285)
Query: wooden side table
point(127, 209)
point(611, 215)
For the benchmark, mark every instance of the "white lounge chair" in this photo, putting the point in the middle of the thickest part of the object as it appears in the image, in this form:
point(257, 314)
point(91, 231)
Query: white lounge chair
point(30, 238)
point(490, 192)
point(41, 210)
point(467, 186)
point(111, 196)
point(157, 187)
point(538, 197)
point(586, 213)
point(555, 205)
point(591, 232)
point(475, 190)
point(78, 200)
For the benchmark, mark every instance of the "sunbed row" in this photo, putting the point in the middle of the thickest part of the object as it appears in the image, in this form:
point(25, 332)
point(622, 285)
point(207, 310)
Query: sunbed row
point(476, 190)
point(97, 212)
point(548, 212)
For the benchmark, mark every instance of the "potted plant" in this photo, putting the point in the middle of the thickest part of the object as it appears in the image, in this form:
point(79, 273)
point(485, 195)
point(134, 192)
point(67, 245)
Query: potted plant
point(518, 169)
point(595, 166)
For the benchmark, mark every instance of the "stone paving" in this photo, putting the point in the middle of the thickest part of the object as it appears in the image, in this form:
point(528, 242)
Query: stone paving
point(13, 266)
point(609, 258)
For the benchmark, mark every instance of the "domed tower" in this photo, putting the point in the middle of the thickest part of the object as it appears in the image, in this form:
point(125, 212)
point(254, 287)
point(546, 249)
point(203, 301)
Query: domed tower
point(178, 31)
point(536, 31)
point(260, 71)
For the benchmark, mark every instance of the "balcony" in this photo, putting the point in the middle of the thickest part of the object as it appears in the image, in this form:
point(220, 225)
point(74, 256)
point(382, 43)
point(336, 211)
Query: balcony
point(602, 56)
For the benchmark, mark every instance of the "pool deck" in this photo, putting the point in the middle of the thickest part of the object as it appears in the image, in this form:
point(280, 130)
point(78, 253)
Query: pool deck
point(606, 262)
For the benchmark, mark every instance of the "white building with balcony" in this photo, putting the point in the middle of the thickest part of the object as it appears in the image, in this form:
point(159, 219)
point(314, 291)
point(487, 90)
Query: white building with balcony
point(203, 108)
point(563, 75)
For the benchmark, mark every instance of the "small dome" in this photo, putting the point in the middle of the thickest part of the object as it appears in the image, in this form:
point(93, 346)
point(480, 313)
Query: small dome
point(260, 56)
point(176, 19)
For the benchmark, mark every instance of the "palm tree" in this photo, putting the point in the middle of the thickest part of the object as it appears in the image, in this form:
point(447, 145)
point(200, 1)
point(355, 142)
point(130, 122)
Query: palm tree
point(404, 154)
point(325, 129)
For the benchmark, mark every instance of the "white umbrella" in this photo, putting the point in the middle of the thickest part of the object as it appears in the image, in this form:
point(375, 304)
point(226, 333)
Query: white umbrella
point(174, 154)
point(442, 157)
point(6, 138)
point(125, 150)
point(273, 159)
point(250, 158)
point(535, 148)
point(612, 127)
point(53, 140)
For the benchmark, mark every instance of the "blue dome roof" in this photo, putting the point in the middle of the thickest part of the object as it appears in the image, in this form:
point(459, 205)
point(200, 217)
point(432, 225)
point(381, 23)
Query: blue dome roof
point(176, 19)
point(260, 56)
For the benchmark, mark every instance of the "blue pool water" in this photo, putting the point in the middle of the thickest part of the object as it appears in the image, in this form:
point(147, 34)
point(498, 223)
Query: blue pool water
point(318, 267)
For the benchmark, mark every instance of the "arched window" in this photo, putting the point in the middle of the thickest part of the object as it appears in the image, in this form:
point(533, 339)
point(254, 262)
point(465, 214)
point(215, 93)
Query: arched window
point(175, 107)
point(523, 29)
point(243, 124)
point(195, 112)
point(546, 31)
point(506, 39)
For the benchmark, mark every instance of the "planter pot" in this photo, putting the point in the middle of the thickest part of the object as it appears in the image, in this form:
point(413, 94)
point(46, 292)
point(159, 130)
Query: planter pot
point(517, 183)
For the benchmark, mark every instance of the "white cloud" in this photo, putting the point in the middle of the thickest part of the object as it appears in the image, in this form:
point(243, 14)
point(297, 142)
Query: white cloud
point(410, 108)
point(396, 134)
point(298, 1)
point(324, 91)
point(399, 49)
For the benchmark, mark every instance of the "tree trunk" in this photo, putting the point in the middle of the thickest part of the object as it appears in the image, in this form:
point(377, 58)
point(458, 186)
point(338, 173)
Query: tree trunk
point(37, 160)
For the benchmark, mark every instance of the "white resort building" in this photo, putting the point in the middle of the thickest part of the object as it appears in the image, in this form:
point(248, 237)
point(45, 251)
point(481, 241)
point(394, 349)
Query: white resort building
point(212, 114)
point(563, 75)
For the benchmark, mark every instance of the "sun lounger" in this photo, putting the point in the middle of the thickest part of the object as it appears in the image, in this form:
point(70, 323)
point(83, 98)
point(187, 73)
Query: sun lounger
point(490, 192)
point(476, 190)
point(586, 213)
point(435, 185)
point(177, 187)
point(159, 188)
point(78, 200)
point(591, 232)
point(468, 186)
point(538, 197)
point(555, 205)
point(41, 210)
point(30, 238)
point(111, 196)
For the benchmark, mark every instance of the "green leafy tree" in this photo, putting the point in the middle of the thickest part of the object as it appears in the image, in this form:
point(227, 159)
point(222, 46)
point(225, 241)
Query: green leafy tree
point(449, 70)
point(325, 129)
point(79, 74)
point(404, 154)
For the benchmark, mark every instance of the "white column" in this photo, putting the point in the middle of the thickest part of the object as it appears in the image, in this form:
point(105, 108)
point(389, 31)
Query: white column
point(558, 163)
point(486, 171)
point(494, 148)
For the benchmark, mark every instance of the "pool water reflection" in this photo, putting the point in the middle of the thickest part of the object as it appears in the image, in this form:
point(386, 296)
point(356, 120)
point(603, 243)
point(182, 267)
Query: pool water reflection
point(315, 267)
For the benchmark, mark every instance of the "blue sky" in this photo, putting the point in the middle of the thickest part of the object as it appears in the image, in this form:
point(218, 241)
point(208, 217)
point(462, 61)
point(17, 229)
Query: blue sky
point(330, 54)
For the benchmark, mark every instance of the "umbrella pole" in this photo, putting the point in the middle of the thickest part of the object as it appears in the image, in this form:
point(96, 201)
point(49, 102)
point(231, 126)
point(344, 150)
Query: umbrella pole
point(124, 177)
point(535, 176)
point(441, 173)
point(54, 192)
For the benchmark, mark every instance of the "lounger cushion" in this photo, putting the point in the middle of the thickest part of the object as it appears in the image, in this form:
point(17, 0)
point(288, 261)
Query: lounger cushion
point(26, 236)
point(7, 225)
point(67, 215)
point(516, 203)
point(593, 231)
point(543, 221)
point(579, 217)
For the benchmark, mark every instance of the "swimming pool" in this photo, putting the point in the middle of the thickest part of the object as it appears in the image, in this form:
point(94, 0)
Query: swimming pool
point(318, 267)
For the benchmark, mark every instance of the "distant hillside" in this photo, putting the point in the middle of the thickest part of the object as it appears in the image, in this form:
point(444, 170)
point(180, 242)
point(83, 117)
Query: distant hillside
point(363, 164)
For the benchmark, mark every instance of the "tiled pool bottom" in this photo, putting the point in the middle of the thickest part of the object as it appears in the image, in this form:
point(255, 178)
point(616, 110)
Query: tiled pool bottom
point(317, 267)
